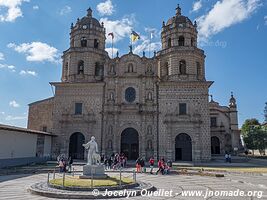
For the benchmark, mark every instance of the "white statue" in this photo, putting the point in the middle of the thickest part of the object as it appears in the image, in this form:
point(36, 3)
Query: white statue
point(93, 156)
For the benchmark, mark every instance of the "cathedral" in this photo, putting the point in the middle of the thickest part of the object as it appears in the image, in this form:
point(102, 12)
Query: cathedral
point(133, 104)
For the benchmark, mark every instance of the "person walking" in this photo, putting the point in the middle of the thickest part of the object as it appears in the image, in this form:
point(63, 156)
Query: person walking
point(160, 167)
point(142, 164)
point(61, 166)
point(226, 156)
point(229, 158)
point(70, 162)
point(151, 164)
point(138, 165)
point(109, 163)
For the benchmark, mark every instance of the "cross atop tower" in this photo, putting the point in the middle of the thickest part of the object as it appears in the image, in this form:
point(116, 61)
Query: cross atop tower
point(89, 12)
point(178, 10)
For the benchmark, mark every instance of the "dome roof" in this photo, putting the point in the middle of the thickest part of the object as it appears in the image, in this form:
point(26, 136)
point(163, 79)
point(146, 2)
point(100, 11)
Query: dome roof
point(179, 18)
point(89, 19)
point(232, 101)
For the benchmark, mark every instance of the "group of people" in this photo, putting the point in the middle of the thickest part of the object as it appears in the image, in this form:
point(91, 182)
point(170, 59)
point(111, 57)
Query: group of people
point(115, 161)
point(118, 161)
point(163, 167)
point(140, 165)
point(64, 164)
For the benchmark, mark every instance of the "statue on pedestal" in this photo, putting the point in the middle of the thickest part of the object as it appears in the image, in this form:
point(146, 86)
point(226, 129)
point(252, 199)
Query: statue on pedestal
point(93, 157)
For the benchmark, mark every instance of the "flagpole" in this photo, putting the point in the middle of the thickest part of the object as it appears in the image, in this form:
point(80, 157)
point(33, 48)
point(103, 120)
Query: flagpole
point(131, 41)
point(149, 46)
point(112, 48)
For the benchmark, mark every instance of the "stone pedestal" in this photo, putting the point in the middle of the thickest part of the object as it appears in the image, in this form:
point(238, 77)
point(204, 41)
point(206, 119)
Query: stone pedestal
point(95, 171)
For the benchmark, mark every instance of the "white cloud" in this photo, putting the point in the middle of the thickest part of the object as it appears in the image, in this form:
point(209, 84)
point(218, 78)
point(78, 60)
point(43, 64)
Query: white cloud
point(65, 10)
point(147, 47)
point(224, 14)
point(36, 7)
point(13, 10)
point(196, 6)
point(12, 118)
point(265, 19)
point(28, 72)
point(10, 67)
point(148, 44)
point(37, 51)
point(121, 28)
point(2, 113)
point(105, 8)
point(2, 56)
point(109, 50)
point(14, 104)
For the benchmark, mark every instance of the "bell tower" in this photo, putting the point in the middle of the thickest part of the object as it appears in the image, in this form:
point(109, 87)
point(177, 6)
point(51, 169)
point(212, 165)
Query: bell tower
point(233, 113)
point(84, 60)
point(180, 59)
point(183, 90)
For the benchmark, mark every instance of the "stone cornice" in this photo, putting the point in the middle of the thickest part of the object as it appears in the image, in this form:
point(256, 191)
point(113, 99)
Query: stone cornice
point(186, 83)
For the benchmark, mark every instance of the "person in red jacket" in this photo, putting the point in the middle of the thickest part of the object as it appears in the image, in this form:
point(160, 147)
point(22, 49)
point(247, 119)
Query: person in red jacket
point(160, 166)
point(151, 163)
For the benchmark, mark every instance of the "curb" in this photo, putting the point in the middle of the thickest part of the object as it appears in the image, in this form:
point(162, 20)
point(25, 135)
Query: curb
point(95, 194)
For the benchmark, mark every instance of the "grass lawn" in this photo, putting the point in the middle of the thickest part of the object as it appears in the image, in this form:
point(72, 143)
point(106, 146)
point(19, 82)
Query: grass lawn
point(229, 169)
point(76, 182)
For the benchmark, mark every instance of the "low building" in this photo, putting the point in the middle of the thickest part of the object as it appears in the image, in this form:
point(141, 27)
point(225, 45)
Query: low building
point(19, 146)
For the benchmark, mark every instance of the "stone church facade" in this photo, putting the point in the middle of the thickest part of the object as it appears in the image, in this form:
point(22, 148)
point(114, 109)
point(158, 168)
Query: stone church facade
point(140, 106)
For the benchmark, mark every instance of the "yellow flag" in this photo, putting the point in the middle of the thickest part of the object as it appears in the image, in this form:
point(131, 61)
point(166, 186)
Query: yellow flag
point(134, 36)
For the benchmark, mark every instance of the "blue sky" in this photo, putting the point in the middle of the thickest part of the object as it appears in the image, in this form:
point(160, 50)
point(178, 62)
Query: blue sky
point(34, 33)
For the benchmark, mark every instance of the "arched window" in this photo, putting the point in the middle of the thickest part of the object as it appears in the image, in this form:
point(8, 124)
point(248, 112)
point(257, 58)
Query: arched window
point(83, 42)
point(181, 41)
point(96, 43)
point(98, 69)
point(130, 94)
point(198, 70)
point(81, 67)
point(169, 42)
point(130, 68)
point(193, 42)
point(167, 69)
point(149, 145)
point(182, 67)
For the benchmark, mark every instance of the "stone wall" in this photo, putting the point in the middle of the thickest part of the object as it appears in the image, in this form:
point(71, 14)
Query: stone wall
point(40, 115)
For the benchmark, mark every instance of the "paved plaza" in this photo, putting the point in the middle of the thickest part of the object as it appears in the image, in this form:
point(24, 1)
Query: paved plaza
point(15, 186)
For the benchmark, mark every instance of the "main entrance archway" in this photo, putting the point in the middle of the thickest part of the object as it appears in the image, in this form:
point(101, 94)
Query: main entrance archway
point(76, 150)
point(183, 147)
point(215, 145)
point(130, 143)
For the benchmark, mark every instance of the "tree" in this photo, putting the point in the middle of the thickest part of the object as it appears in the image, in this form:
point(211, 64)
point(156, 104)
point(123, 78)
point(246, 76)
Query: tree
point(250, 140)
point(256, 138)
point(248, 124)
